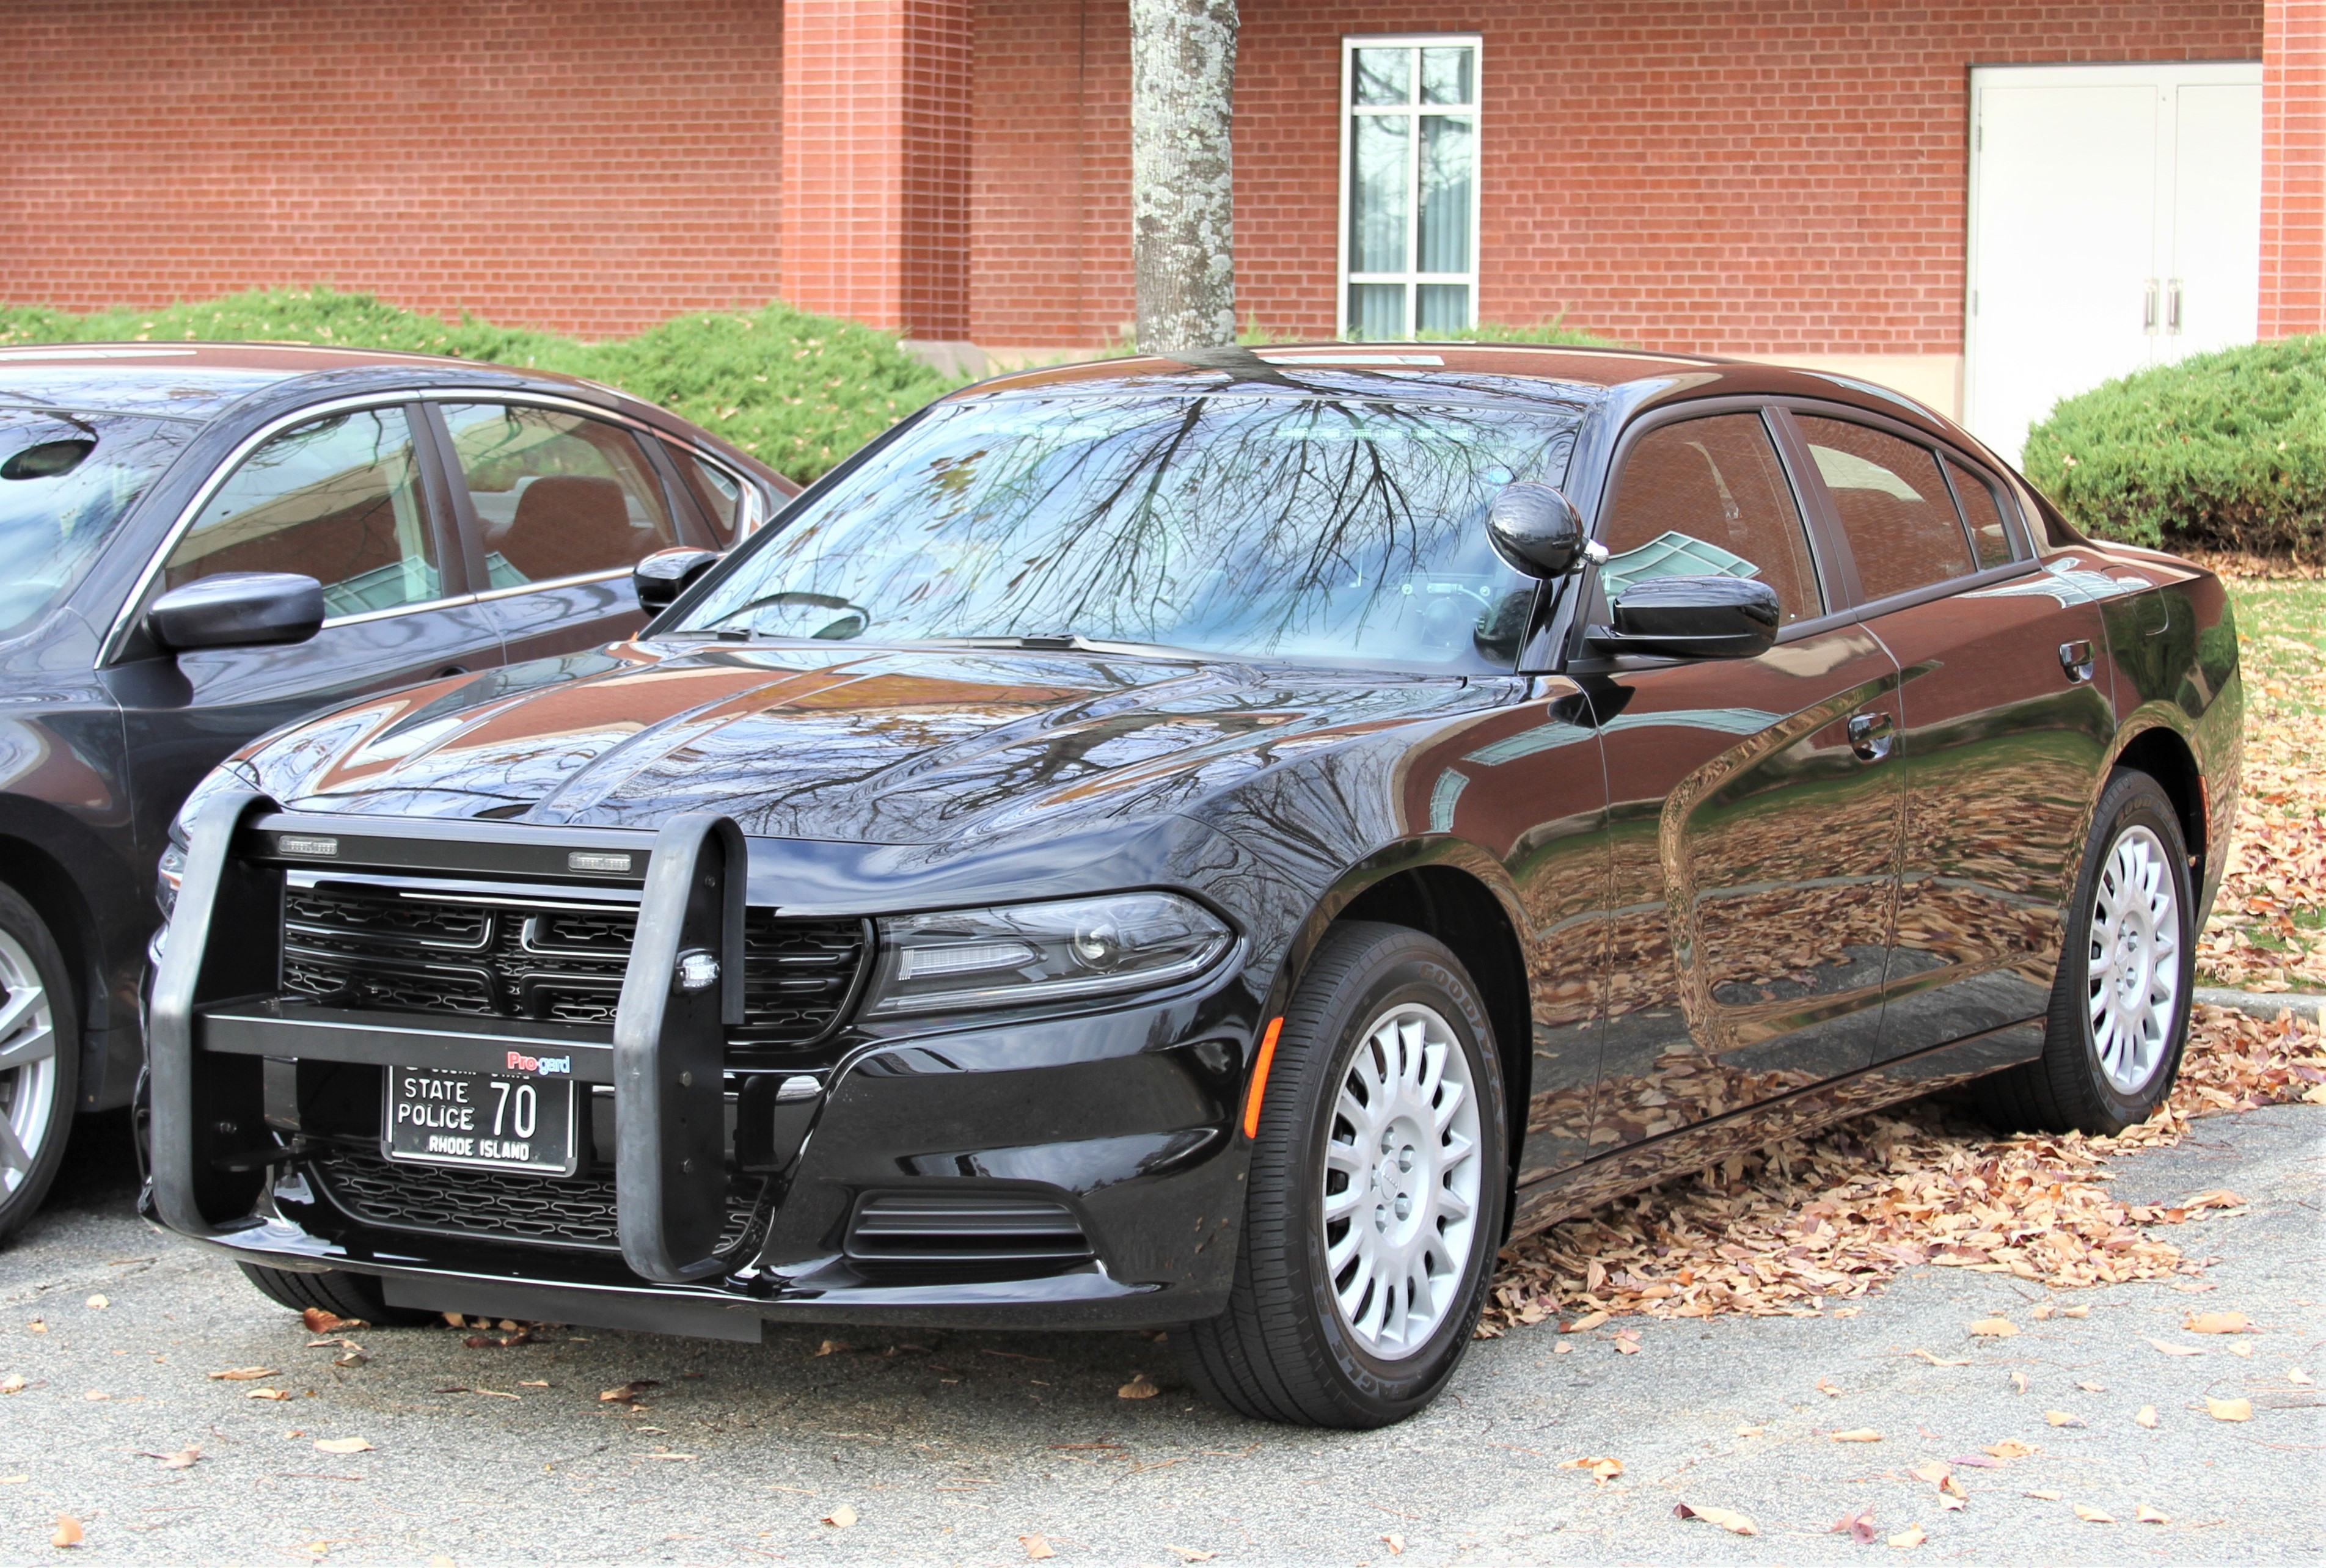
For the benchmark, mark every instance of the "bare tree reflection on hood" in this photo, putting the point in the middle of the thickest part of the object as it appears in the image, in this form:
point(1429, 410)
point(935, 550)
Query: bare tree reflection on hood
point(1249, 522)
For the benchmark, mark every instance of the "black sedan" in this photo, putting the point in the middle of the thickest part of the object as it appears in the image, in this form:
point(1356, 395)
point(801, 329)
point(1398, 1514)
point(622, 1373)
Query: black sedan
point(201, 542)
point(1214, 842)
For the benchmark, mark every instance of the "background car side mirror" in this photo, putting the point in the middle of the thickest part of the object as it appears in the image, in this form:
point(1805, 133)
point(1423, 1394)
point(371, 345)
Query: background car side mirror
point(240, 609)
point(1536, 529)
point(662, 577)
point(1693, 617)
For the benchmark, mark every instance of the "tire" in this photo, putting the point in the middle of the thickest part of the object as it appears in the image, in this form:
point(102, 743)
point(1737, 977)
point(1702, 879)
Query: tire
point(1289, 1348)
point(40, 1033)
point(339, 1292)
point(2102, 1076)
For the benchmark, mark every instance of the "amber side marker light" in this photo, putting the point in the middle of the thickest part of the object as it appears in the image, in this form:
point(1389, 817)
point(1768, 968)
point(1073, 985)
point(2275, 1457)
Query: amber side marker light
point(1259, 1077)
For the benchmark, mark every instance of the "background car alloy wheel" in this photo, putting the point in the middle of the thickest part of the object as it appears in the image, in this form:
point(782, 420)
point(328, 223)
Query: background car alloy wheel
point(38, 1077)
point(1400, 1181)
point(2133, 976)
point(2119, 1013)
point(1375, 1195)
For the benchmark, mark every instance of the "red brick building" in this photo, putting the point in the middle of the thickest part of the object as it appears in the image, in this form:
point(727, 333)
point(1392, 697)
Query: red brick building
point(1879, 188)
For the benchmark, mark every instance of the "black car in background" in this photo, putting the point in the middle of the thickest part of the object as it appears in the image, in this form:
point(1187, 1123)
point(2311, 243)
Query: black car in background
point(201, 542)
point(1214, 842)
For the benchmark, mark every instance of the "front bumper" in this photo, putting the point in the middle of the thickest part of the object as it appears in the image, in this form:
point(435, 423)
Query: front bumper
point(810, 1189)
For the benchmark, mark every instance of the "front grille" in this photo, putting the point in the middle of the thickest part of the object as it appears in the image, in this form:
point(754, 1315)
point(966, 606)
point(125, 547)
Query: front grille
point(412, 950)
point(965, 1227)
point(498, 1205)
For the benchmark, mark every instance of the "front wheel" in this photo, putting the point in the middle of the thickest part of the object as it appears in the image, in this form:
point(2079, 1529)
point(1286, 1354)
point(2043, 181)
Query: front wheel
point(2119, 1017)
point(40, 1037)
point(1378, 1183)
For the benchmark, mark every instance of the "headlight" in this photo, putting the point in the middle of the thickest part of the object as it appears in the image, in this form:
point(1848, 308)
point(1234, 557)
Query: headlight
point(1021, 954)
point(173, 875)
point(173, 871)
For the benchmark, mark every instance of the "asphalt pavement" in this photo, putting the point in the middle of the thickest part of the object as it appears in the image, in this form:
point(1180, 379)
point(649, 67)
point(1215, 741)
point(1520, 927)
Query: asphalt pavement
point(966, 1448)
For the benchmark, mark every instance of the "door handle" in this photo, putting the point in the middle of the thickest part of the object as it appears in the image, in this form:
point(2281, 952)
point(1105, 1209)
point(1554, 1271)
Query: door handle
point(2148, 310)
point(1871, 736)
point(2076, 659)
point(2172, 306)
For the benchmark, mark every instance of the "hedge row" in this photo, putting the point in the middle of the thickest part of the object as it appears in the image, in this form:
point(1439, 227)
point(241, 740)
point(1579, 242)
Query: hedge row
point(2223, 451)
point(797, 391)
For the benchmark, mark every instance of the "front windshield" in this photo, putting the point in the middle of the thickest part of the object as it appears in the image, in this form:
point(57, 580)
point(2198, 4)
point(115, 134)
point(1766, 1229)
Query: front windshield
point(1239, 524)
point(65, 480)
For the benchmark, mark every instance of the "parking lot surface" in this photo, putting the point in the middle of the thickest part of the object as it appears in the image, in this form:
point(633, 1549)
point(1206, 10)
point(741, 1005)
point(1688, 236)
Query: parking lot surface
point(993, 1448)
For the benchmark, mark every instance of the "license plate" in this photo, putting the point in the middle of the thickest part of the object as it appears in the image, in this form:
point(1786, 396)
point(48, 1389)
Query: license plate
point(441, 1116)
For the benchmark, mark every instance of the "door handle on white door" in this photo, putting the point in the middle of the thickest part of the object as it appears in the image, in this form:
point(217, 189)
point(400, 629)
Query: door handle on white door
point(2173, 307)
point(2148, 308)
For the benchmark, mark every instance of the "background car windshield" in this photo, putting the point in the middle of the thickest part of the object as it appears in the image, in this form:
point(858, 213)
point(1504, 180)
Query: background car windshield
point(1252, 524)
point(65, 480)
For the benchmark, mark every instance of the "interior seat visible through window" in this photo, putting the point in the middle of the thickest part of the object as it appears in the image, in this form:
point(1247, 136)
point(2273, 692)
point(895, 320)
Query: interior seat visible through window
point(556, 495)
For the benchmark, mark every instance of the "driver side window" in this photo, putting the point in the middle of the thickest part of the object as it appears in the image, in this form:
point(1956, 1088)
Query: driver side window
point(1707, 497)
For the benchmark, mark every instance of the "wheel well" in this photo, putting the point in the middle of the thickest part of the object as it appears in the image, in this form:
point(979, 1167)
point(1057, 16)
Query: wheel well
point(1456, 909)
point(2165, 758)
point(46, 886)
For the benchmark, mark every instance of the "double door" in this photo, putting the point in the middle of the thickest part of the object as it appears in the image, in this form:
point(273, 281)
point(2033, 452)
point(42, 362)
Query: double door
point(2114, 224)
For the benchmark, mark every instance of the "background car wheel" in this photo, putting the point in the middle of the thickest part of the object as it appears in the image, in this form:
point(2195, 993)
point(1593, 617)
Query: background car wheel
point(40, 1061)
point(2119, 1014)
point(348, 1295)
point(1377, 1188)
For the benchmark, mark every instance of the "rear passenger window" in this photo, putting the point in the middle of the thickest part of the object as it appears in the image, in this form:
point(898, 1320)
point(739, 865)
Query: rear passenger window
point(1988, 538)
point(1707, 497)
point(1894, 505)
point(555, 494)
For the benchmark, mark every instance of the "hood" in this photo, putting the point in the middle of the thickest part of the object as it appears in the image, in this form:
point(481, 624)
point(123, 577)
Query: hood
point(878, 746)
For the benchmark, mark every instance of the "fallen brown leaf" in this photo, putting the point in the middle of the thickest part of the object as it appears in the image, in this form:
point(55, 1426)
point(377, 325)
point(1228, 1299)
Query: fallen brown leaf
point(1994, 1328)
point(833, 1348)
point(1140, 1387)
point(267, 1394)
point(1728, 1519)
point(1037, 1547)
point(2045, 1493)
point(1912, 1535)
point(2296, 1375)
point(1586, 1323)
point(2018, 1382)
point(98, 1304)
point(341, 1445)
point(1943, 1360)
point(13, 1383)
point(1859, 1434)
point(1859, 1526)
point(1190, 1554)
point(320, 1321)
point(1396, 1545)
point(1933, 1472)
point(1830, 1390)
point(2044, 1311)
point(183, 1459)
point(2092, 1515)
point(2229, 1409)
point(2218, 1324)
point(2144, 1417)
point(1750, 1431)
point(1603, 1467)
point(2009, 1448)
point(2062, 1418)
point(2148, 1515)
point(67, 1533)
point(841, 1517)
point(2171, 1350)
point(243, 1374)
point(628, 1393)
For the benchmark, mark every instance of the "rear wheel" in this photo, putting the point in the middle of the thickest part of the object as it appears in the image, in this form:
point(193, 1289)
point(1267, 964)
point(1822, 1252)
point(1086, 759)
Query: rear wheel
point(39, 1065)
point(1376, 1192)
point(338, 1293)
point(2119, 1016)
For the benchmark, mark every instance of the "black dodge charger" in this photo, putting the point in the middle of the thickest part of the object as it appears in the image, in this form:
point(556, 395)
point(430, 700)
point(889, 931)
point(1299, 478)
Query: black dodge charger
point(1215, 841)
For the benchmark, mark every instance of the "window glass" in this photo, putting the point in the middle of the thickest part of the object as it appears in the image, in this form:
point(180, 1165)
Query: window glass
point(1708, 497)
point(65, 481)
point(719, 492)
point(1263, 525)
point(1894, 506)
point(338, 499)
point(556, 494)
point(1988, 537)
point(1412, 128)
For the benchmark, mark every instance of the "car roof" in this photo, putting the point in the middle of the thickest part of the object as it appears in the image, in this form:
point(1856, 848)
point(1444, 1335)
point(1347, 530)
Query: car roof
point(1567, 373)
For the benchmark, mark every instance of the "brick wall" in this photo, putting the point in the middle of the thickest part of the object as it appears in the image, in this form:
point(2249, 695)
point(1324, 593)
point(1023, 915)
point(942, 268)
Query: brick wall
point(1765, 176)
point(2293, 169)
point(588, 167)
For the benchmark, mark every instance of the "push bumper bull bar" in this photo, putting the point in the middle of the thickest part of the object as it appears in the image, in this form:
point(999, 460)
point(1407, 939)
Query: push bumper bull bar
point(212, 1022)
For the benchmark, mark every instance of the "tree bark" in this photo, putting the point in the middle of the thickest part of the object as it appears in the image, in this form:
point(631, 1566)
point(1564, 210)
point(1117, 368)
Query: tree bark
point(1182, 171)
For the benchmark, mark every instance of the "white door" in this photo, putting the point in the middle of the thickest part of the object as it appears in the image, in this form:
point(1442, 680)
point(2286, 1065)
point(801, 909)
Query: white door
point(2114, 224)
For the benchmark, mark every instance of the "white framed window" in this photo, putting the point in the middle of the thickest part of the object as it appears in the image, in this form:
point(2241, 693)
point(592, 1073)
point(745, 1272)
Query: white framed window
point(1409, 185)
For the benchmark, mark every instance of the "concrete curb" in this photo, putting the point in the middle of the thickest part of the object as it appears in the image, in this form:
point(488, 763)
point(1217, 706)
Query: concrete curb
point(2265, 1004)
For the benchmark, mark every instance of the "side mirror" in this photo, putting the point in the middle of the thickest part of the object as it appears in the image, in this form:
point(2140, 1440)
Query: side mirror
point(237, 610)
point(662, 577)
point(1693, 617)
point(1536, 529)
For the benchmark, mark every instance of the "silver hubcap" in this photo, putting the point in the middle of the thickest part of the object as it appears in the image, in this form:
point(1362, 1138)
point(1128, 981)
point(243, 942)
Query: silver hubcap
point(2134, 970)
point(1400, 1181)
point(28, 1065)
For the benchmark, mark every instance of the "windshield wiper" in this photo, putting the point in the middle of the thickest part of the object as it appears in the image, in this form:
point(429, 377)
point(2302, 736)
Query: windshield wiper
point(1064, 642)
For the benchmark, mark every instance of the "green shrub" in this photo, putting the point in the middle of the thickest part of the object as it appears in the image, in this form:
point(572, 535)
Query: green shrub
point(2224, 452)
point(799, 391)
point(1554, 330)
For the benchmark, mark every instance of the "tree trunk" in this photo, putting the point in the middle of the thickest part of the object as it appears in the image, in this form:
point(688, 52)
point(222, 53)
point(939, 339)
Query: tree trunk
point(1182, 174)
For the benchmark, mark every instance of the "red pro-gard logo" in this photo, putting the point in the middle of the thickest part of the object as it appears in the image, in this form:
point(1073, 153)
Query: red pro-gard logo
point(518, 1061)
